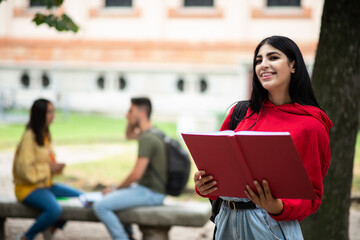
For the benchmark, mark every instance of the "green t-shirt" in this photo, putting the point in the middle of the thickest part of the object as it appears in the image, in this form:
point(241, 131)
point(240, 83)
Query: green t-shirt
point(153, 148)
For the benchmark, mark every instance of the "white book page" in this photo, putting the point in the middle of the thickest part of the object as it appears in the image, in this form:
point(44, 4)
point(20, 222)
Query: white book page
point(91, 197)
point(218, 133)
point(259, 133)
point(232, 133)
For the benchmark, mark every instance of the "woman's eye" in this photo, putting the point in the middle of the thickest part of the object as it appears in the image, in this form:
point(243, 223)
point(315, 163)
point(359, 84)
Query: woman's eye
point(274, 57)
point(257, 61)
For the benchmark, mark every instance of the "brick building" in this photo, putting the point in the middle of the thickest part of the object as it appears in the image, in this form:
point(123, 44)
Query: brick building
point(192, 57)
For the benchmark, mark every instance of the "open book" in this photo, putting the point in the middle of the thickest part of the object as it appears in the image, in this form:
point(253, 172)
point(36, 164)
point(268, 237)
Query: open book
point(89, 198)
point(237, 159)
point(86, 199)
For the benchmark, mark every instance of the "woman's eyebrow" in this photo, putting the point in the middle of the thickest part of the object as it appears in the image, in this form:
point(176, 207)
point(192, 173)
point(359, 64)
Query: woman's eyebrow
point(268, 54)
point(271, 53)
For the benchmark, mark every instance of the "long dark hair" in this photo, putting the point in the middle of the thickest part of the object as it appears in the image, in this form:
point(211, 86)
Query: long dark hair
point(37, 121)
point(300, 89)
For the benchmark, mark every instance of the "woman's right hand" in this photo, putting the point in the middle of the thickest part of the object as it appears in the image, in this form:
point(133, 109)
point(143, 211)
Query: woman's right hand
point(204, 183)
point(132, 132)
point(107, 190)
point(56, 168)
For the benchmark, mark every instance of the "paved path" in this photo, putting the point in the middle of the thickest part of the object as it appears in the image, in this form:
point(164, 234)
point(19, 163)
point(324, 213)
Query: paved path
point(96, 231)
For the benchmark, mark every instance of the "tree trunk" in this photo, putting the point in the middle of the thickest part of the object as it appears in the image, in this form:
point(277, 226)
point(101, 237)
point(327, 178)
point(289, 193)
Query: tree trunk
point(336, 81)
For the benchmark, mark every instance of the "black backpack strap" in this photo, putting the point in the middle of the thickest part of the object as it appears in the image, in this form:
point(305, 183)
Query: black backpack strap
point(161, 136)
point(157, 132)
point(238, 114)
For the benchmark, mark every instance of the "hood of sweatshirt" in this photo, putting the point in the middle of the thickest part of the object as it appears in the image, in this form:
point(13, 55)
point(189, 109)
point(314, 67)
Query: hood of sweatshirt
point(303, 110)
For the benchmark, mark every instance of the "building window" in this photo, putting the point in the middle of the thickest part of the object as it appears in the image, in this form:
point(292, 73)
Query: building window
point(37, 3)
point(100, 82)
point(283, 3)
point(122, 83)
point(25, 80)
point(203, 85)
point(198, 3)
point(45, 80)
point(118, 3)
point(180, 85)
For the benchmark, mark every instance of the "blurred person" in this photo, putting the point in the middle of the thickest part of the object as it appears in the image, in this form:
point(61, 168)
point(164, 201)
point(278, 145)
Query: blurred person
point(142, 186)
point(33, 170)
point(282, 99)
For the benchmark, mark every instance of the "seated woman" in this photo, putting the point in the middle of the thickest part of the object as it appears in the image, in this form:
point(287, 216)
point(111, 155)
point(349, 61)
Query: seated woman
point(33, 169)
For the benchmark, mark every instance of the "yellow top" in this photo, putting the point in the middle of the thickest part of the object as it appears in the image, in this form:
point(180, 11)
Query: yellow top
point(31, 168)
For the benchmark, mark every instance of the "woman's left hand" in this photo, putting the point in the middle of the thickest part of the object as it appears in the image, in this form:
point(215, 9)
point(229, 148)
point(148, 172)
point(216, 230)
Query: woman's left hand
point(264, 198)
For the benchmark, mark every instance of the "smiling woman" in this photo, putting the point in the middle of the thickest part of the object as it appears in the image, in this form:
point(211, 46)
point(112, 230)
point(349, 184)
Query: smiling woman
point(282, 100)
point(274, 70)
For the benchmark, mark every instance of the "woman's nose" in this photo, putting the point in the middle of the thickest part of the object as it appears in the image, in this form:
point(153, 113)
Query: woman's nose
point(264, 63)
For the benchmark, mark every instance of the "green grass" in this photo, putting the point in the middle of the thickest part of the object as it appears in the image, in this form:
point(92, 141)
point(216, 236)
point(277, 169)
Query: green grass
point(356, 176)
point(77, 128)
point(90, 176)
point(357, 149)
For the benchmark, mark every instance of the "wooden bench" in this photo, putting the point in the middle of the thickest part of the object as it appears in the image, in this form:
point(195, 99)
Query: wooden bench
point(154, 222)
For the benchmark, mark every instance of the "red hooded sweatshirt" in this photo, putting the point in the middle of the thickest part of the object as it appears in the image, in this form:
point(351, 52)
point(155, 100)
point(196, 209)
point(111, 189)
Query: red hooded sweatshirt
point(309, 128)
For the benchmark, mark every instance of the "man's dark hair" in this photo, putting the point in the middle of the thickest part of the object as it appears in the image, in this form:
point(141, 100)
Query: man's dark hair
point(300, 88)
point(143, 103)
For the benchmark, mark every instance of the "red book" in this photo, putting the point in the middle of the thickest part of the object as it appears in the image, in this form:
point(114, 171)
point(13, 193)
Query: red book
point(237, 159)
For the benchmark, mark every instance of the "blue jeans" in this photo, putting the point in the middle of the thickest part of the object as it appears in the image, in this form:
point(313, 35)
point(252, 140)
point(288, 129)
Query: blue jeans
point(45, 200)
point(253, 224)
point(133, 196)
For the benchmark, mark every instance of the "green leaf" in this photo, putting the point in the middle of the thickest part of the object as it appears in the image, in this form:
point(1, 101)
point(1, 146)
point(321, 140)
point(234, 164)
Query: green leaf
point(59, 2)
point(62, 23)
point(39, 18)
point(49, 4)
point(53, 3)
point(50, 20)
point(69, 23)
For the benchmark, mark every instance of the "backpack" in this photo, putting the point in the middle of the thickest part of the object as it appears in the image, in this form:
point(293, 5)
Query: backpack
point(178, 165)
point(238, 114)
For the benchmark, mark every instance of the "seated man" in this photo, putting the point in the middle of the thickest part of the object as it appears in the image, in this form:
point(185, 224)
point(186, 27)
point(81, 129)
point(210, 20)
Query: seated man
point(141, 187)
